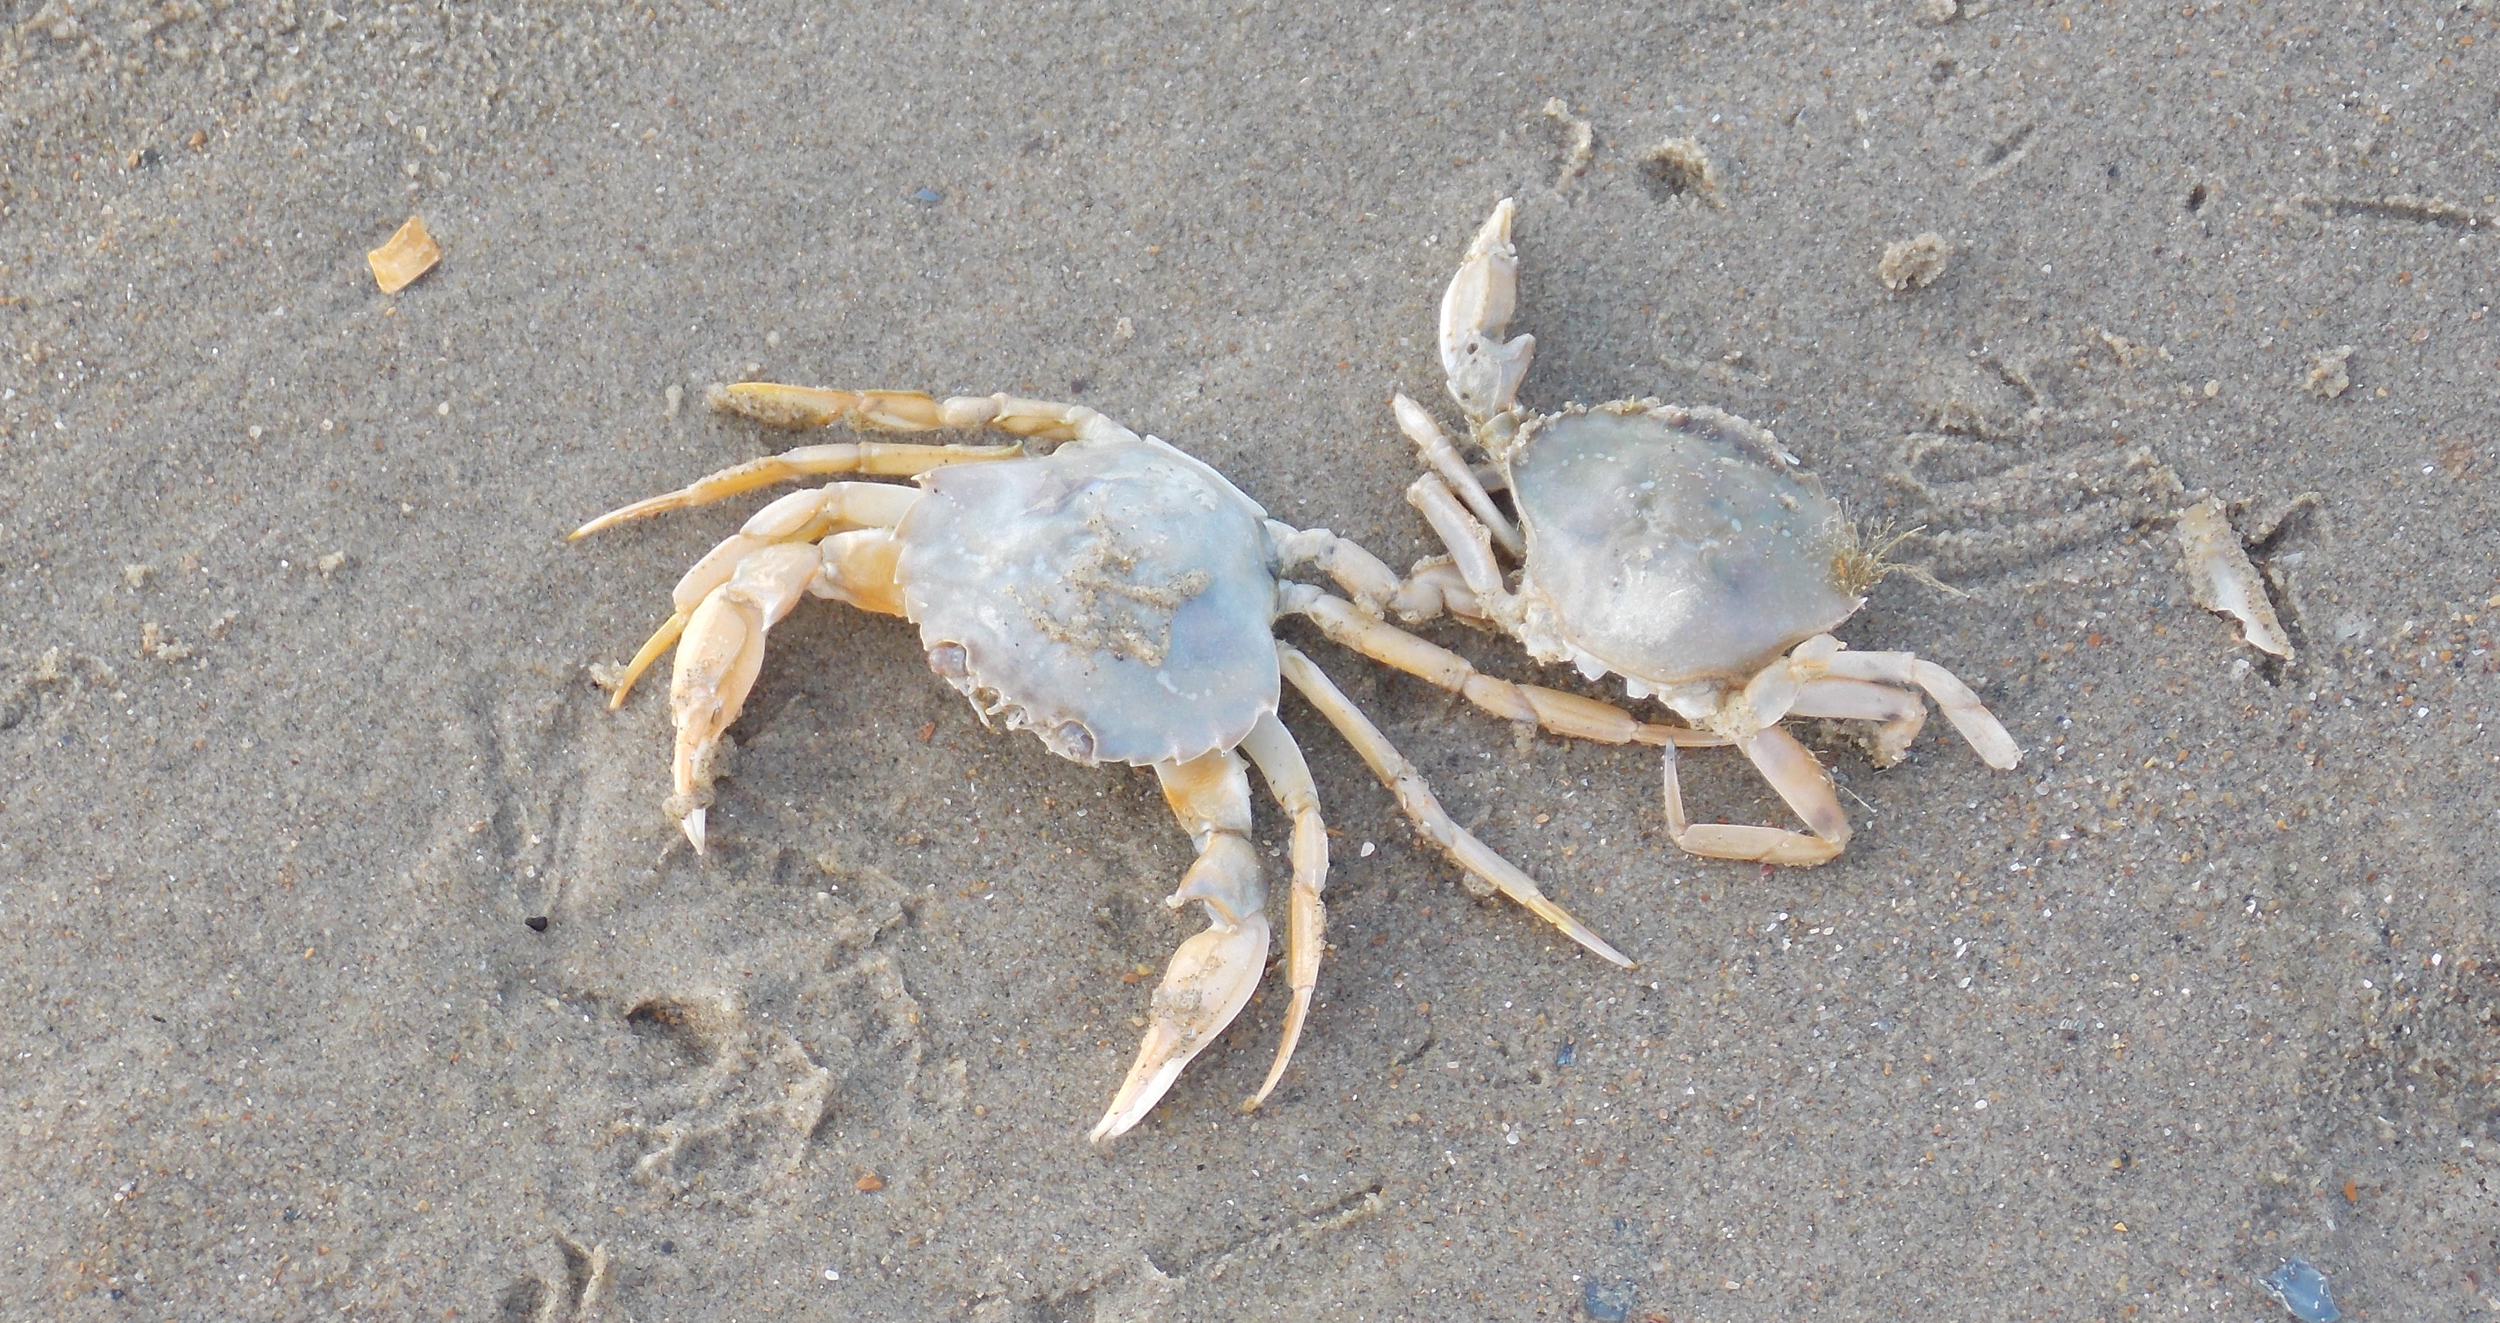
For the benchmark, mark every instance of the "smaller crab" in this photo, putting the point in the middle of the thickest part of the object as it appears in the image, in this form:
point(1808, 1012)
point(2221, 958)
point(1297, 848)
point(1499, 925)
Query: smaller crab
point(1679, 548)
point(1115, 597)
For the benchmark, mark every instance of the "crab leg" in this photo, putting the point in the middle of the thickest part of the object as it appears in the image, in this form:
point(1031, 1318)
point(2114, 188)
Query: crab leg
point(1443, 459)
point(1483, 369)
point(1446, 589)
point(801, 407)
point(1279, 759)
point(797, 517)
point(1470, 544)
point(1416, 799)
point(1799, 779)
point(1961, 707)
point(879, 458)
point(1899, 712)
point(1212, 974)
point(1434, 587)
point(1562, 713)
point(859, 570)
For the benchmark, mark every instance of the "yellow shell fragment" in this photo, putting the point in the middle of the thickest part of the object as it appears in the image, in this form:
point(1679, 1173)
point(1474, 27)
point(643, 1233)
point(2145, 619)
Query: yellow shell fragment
point(410, 253)
point(2221, 579)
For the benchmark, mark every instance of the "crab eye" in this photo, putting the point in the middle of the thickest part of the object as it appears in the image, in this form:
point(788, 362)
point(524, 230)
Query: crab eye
point(1072, 740)
point(950, 660)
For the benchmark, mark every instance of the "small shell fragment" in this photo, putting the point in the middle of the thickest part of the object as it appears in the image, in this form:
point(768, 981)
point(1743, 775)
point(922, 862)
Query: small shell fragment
point(409, 254)
point(1914, 263)
point(2330, 373)
point(2221, 578)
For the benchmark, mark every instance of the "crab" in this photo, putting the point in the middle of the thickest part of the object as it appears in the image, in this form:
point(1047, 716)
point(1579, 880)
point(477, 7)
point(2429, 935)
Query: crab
point(1115, 597)
point(1681, 549)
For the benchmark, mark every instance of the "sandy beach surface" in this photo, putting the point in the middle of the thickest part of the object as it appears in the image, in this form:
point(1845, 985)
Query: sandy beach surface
point(298, 730)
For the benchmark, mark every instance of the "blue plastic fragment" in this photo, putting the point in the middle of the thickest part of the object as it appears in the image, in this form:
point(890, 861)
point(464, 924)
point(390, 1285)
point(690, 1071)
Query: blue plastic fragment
point(2299, 1287)
point(1568, 1052)
point(1607, 1302)
point(927, 197)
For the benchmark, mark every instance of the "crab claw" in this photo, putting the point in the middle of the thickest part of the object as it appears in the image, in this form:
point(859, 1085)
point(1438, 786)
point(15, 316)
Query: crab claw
point(717, 660)
point(1483, 369)
point(1209, 980)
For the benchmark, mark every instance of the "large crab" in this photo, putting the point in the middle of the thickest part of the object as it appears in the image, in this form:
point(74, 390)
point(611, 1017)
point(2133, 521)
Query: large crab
point(1679, 548)
point(1115, 597)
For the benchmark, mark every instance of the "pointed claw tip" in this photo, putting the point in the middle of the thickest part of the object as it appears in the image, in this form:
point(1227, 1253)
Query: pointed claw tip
point(1604, 949)
point(1599, 947)
point(602, 524)
point(1496, 229)
point(1145, 1086)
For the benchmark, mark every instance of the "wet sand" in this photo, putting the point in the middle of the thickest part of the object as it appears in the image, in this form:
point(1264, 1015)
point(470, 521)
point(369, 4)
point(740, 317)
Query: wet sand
point(299, 732)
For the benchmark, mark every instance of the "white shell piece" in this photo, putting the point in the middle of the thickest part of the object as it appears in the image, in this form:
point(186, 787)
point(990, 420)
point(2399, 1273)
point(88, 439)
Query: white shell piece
point(2220, 577)
point(1113, 597)
point(1672, 543)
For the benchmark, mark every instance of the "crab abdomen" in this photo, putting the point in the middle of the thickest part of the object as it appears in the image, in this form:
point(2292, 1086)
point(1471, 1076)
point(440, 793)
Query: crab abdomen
point(1673, 545)
point(1114, 598)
